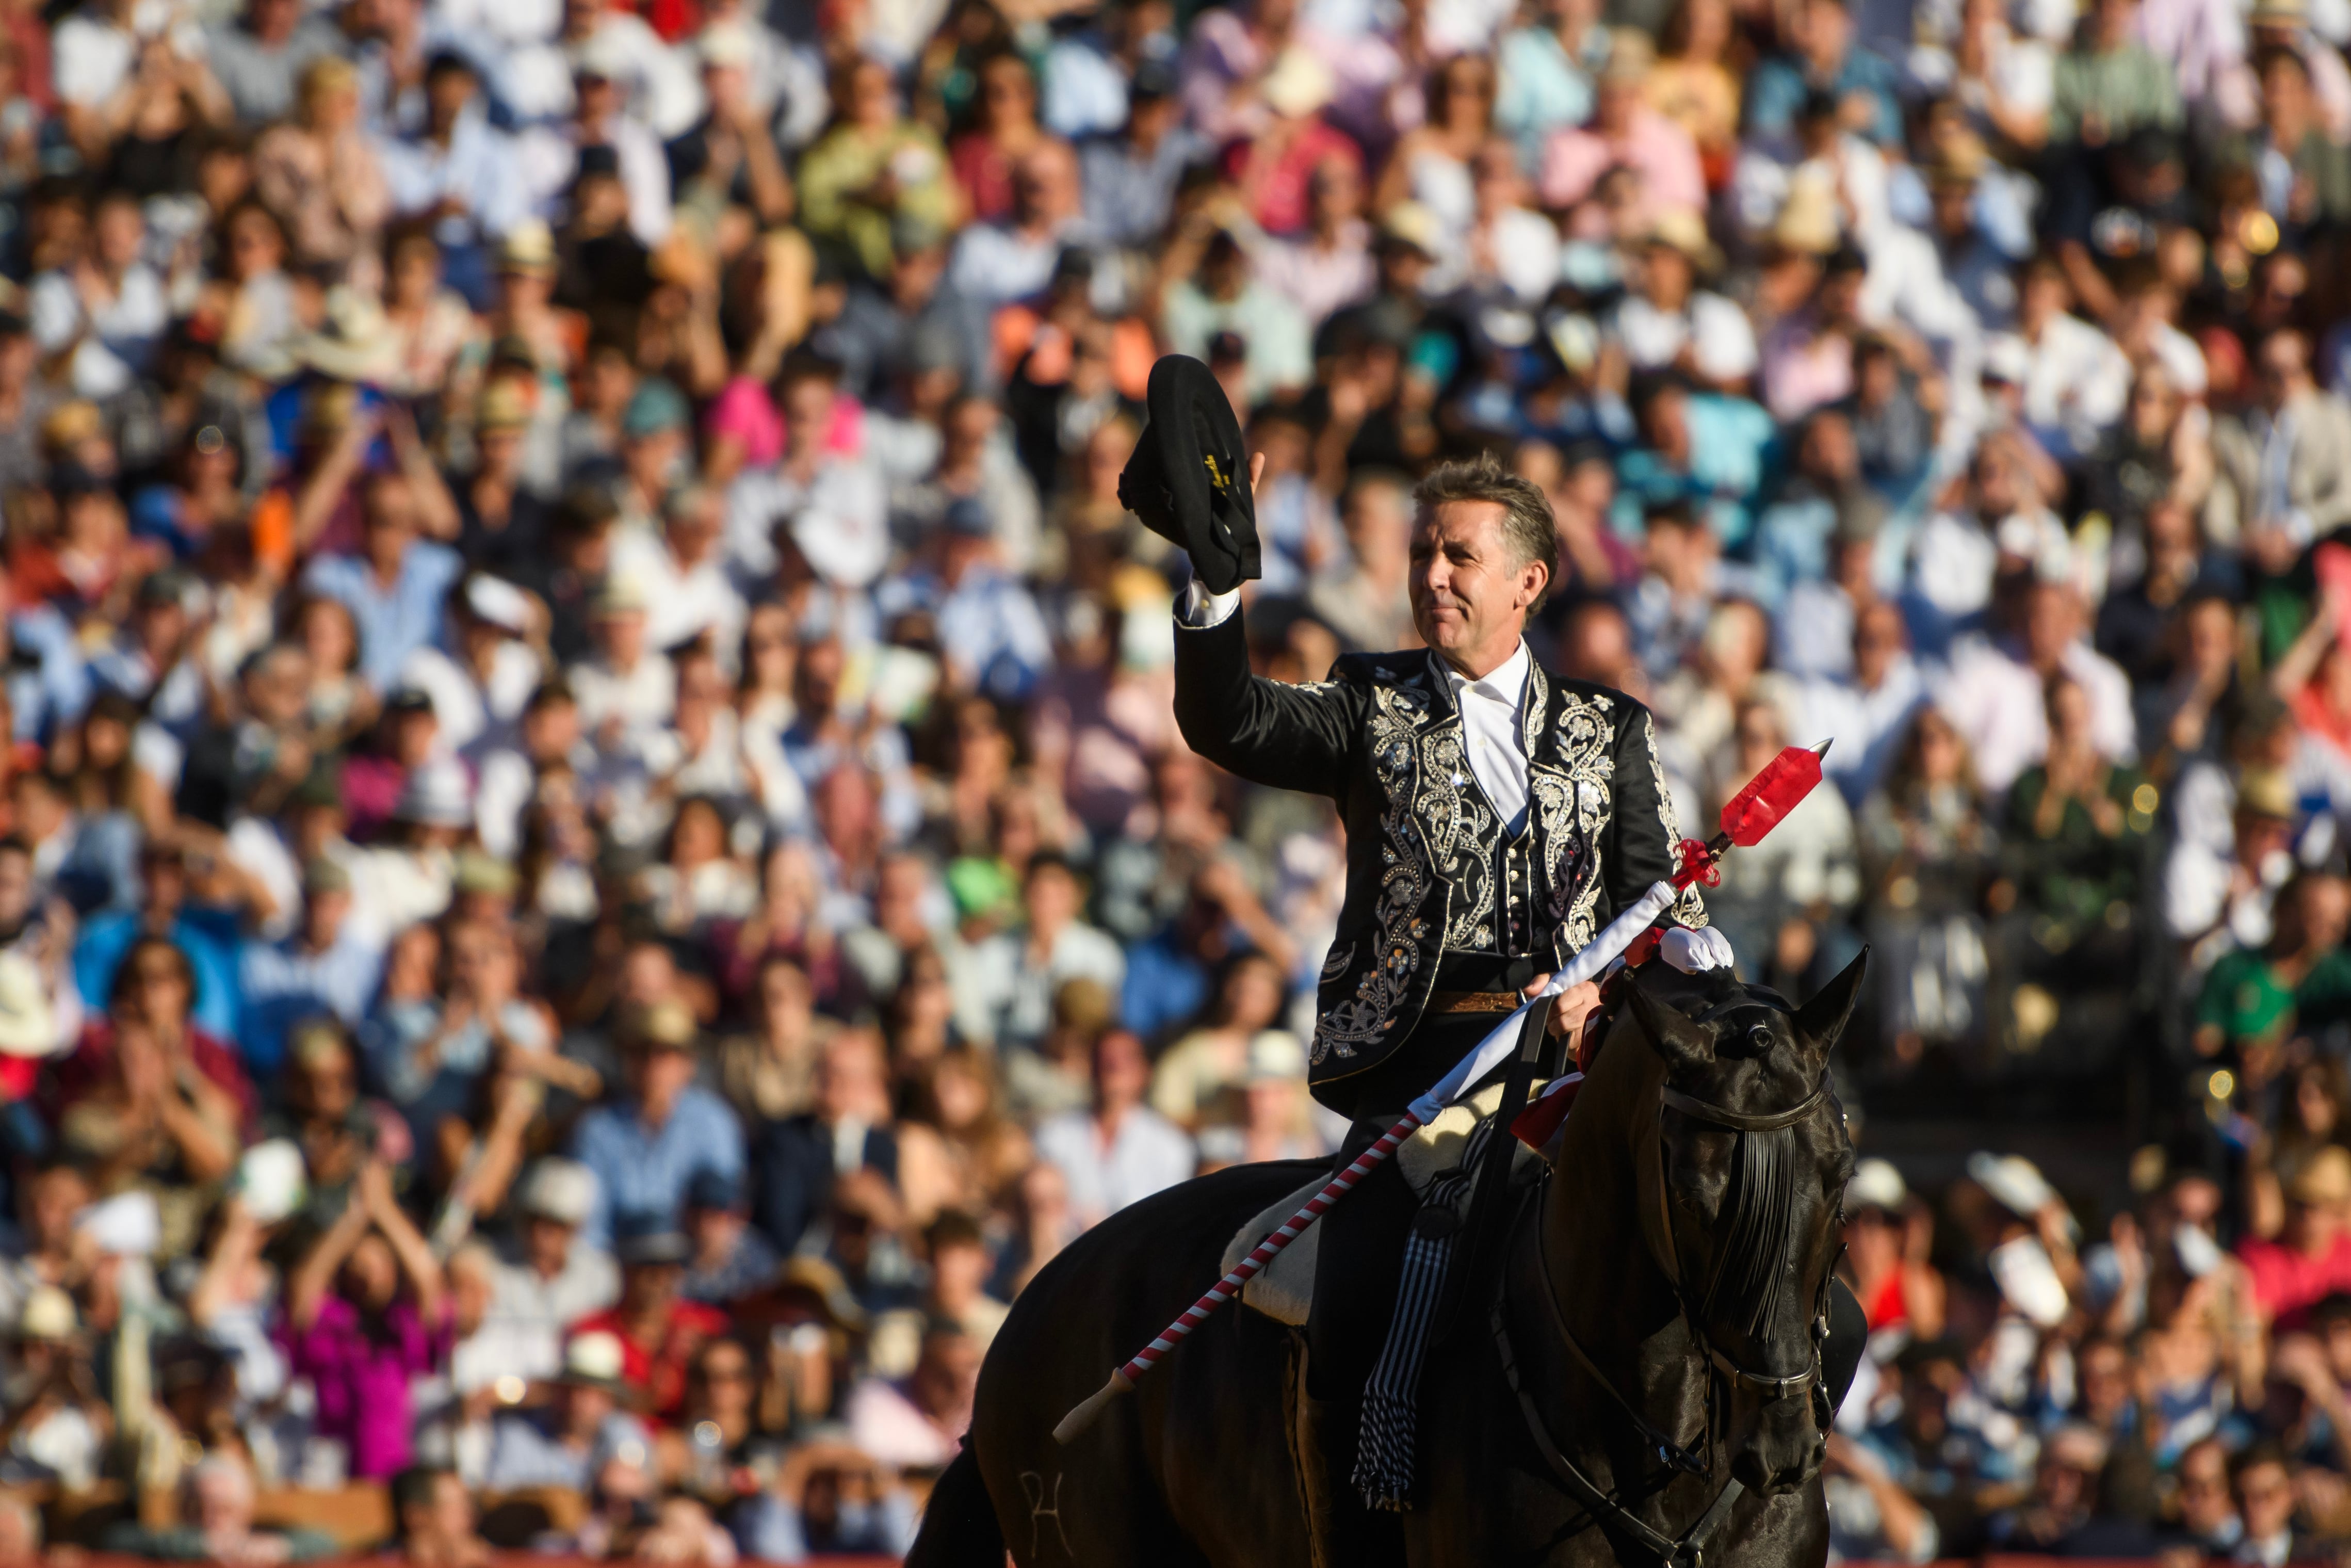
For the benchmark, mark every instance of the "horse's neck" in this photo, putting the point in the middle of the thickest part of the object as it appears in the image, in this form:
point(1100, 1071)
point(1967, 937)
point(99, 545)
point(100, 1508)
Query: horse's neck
point(1605, 1276)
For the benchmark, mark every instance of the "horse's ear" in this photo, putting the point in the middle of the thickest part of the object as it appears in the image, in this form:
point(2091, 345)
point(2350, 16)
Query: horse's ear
point(1820, 1023)
point(1679, 1041)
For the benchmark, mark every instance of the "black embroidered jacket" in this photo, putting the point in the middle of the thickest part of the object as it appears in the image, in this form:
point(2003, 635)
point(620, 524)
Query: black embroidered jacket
point(1430, 869)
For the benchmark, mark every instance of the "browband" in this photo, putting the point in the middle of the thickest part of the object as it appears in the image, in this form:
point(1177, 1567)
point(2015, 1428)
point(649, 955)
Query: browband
point(1742, 1121)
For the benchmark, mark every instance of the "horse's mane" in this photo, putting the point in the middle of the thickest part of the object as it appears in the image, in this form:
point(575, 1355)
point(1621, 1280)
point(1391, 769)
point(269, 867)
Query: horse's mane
point(1759, 1206)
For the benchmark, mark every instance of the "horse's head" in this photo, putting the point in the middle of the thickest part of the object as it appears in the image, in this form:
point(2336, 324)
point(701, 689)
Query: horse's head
point(1739, 1200)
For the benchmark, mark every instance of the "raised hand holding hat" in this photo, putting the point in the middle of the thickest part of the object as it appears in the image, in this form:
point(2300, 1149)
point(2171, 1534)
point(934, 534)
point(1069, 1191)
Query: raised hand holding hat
point(1189, 477)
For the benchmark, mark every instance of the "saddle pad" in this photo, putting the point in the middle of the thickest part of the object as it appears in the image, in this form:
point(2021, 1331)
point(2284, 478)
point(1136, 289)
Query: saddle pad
point(1285, 1289)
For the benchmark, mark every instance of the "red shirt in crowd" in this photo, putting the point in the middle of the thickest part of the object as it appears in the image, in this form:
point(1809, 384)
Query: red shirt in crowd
point(658, 1370)
point(2287, 1283)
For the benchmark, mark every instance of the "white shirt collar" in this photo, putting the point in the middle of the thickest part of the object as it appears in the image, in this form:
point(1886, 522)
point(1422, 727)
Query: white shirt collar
point(1506, 683)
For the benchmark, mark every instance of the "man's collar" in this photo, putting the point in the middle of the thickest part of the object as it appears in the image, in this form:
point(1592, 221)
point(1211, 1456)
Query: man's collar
point(1506, 681)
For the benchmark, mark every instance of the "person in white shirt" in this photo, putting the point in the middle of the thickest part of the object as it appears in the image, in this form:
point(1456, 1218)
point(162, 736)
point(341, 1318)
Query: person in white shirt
point(682, 575)
point(104, 312)
point(479, 685)
point(626, 684)
point(1993, 691)
point(1006, 993)
point(548, 1279)
point(1867, 712)
point(2077, 381)
point(1664, 318)
point(1119, 1151)
point(833, 503)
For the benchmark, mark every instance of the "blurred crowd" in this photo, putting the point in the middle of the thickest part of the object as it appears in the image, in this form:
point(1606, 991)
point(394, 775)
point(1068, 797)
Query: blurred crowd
point(595, 866)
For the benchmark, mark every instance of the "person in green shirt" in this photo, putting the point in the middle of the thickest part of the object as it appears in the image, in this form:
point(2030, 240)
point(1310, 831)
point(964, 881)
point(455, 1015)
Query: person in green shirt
point(2076, 826)
point(873, 167)
point(2301, 980)
point(2109, 84)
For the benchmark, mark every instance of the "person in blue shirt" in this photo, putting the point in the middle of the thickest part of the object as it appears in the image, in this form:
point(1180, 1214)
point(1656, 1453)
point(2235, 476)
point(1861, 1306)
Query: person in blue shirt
point(647, 1144)
point(326, 965)
point(1825, 59)
point(1698, 447)
point(210, 937)
point(396, 586)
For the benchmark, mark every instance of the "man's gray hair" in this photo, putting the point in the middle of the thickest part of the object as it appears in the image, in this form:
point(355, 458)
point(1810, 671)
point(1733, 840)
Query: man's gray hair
point(1528, 525)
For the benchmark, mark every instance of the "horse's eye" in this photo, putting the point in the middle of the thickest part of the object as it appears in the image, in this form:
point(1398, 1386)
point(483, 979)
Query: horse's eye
point(1760, 1036)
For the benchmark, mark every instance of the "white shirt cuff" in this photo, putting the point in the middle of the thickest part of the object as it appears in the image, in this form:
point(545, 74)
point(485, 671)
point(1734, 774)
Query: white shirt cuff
point(1200, 609)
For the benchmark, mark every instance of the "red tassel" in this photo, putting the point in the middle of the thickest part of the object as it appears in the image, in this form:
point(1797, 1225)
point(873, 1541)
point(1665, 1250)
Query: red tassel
point(1699, 865)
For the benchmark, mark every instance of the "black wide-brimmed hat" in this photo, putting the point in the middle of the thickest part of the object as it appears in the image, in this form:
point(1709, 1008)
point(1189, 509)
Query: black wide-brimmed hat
point(1188, 479)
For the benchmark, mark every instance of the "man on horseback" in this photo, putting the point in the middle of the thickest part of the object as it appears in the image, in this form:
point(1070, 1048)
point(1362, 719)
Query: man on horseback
point(1497, 816)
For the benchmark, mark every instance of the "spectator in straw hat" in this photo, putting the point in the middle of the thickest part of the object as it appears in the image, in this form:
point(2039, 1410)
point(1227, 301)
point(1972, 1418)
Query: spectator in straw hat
point(548, 1278)
point(646, 1142)
point(567, 1441)
point(56, 1424)
point(2311, 1258)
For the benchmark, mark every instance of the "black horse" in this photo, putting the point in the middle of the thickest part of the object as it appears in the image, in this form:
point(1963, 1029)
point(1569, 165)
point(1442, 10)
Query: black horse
point(1645, 1379)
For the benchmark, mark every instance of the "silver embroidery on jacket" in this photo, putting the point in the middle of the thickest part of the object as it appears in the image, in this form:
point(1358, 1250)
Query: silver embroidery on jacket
point(1575, 798)
point(1366, 1018)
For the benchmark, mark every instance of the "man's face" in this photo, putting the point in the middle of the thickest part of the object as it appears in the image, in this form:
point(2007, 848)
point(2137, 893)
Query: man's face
point(1052, 898)
point(1466, 588)
point(659, 1072)
point(2050, 625)
point(324, 916)
point(600, 201)
point(120, 233)
point(585, 1408)
point(650, 1287)
point(847, 1079)
point(549, 1243)
point(624, 636)
point(224, 1505)
point(694, 529)
point(274, 19)
point(2204, 1506)
point(1121, 1073)
point(50, 1204)
point(1826, 30)
point(1876, 643)
point(389, 513)
point(452, 1516)
point(446, 93)
point(15, 889)
point(2281, 367)
point(2266, 1497)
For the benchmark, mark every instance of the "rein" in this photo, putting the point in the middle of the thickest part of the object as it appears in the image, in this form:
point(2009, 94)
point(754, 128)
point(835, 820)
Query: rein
point(1762, 1166)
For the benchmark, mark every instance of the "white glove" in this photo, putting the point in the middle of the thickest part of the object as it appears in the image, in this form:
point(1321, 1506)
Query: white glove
point(1691, 951)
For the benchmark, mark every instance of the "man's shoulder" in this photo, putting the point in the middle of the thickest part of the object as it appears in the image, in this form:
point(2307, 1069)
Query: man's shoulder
point(1403, 667)
point(1624, 709)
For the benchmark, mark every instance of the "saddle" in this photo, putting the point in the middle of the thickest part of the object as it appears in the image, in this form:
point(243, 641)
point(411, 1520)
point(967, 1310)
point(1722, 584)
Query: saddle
point(1285, 1290)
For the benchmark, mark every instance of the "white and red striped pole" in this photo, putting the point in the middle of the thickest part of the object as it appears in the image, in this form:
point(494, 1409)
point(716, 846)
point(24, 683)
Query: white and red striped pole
point(1225, 1289)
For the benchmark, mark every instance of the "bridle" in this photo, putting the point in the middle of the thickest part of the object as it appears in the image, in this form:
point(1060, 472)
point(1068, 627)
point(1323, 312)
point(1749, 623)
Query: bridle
point(1723, 1374)
point(1747, 1125)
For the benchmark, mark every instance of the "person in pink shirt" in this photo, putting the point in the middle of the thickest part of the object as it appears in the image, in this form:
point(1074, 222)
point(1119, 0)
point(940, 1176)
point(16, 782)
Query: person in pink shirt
point(357, 1336)
point(2311, 1258)
point(1625, 131)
